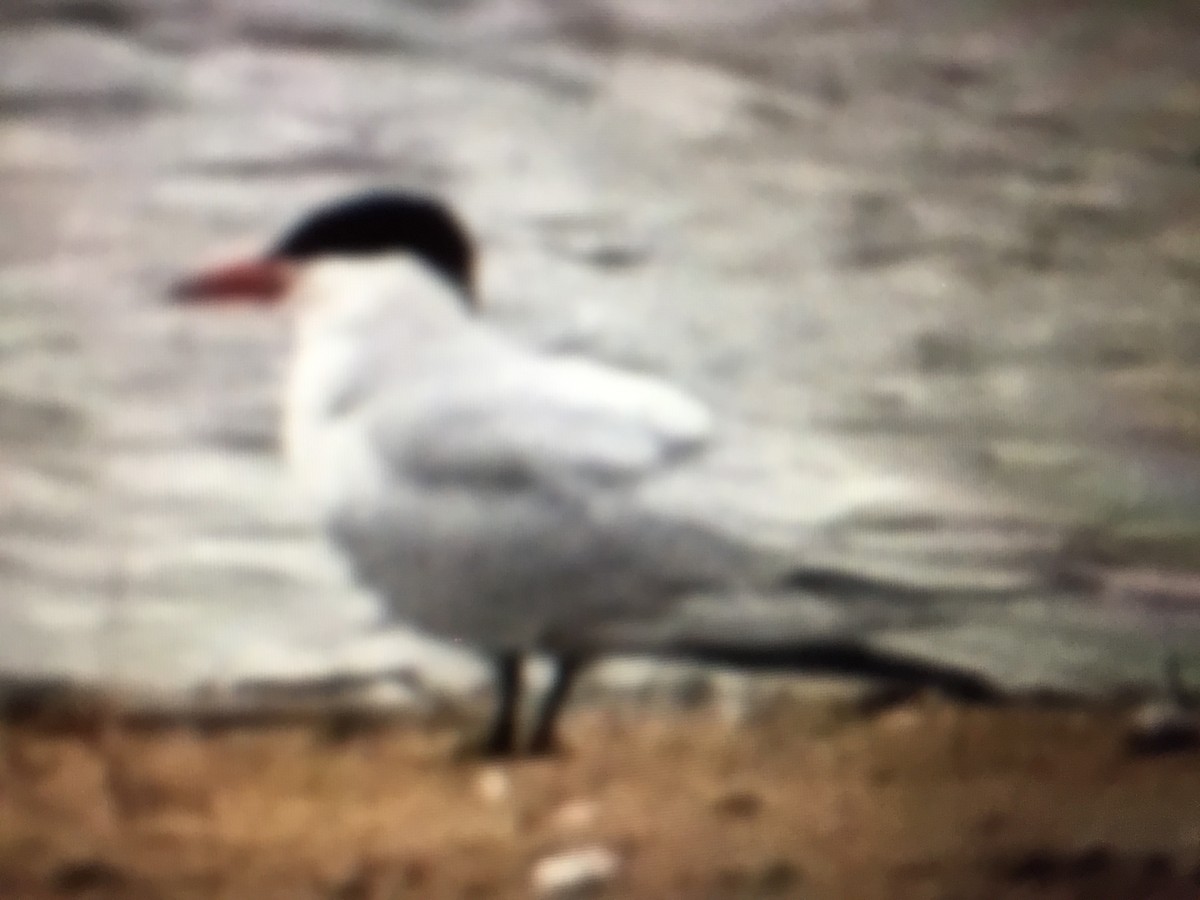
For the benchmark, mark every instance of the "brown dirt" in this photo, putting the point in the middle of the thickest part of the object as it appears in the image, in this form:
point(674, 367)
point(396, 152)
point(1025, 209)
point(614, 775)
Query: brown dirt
point(925, 800)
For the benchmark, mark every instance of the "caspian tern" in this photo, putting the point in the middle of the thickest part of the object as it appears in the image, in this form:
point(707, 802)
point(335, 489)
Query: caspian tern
point(490, 494)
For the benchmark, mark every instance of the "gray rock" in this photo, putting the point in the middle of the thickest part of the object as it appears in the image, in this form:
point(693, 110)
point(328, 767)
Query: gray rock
point(1163, 728)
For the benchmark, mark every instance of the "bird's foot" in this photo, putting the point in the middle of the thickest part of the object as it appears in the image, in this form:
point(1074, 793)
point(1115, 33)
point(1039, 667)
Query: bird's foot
point(473, 746)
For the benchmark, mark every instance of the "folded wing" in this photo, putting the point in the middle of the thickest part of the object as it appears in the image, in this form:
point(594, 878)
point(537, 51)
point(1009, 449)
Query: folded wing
point(544, 421)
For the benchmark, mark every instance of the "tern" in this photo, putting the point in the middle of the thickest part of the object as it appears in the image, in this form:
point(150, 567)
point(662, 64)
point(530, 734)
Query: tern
point(489, 494)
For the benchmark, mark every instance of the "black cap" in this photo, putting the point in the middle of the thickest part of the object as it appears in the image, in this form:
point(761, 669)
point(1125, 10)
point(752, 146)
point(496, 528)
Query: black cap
point(380, 222)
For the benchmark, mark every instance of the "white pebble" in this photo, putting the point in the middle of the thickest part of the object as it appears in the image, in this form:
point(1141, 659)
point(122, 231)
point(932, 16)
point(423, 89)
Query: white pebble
point(494, 785)
point(576, 815)
point(575, 874)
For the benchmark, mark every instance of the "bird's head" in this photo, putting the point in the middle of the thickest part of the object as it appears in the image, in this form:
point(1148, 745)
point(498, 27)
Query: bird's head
point(371, 226)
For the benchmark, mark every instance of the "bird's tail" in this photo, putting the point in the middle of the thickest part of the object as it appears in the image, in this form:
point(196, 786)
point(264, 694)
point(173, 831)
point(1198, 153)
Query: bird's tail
point(845, 658)
point(845, 527)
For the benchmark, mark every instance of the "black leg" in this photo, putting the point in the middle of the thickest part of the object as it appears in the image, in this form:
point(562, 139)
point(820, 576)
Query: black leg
point(543, 739)
point(501, 739)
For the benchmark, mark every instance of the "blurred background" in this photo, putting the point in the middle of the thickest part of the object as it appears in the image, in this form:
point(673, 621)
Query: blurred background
point(959, 233)
point(882, 235)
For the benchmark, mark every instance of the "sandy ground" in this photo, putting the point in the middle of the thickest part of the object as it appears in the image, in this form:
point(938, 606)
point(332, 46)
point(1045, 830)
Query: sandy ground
point(921, 226)
point(925, 799)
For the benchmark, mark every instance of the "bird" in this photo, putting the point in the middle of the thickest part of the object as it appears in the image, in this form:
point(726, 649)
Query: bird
point(490, 494)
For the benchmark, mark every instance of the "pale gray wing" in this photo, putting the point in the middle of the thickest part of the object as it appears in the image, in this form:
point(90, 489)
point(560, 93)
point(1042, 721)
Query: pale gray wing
point(536, 420)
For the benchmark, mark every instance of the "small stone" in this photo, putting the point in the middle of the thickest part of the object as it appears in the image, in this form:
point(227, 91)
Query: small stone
point(576, 815)
point(575, 874)
point(494, 785)
point(775, 878)
point(738, 804)
point(88, 875)
point(1163, 728)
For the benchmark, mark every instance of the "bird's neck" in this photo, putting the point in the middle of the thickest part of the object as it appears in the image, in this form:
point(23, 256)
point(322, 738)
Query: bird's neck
point(355, 322)
point(340, 300)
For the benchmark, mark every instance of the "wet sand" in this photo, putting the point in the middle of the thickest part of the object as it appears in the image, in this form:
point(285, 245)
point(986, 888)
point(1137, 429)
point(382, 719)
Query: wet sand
point(927, 799)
